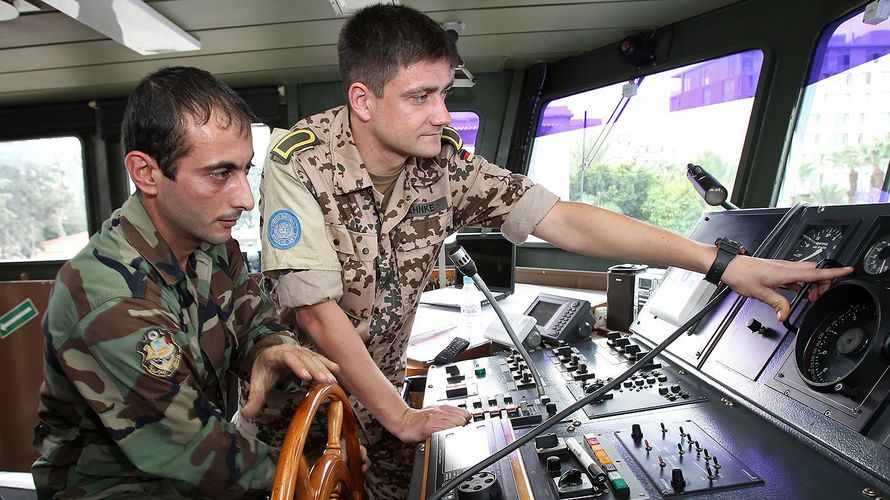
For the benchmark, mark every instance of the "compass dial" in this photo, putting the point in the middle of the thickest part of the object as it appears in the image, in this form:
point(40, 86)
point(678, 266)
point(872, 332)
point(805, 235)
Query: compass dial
point(877, 259)
point(817, 243)
point(836, 349)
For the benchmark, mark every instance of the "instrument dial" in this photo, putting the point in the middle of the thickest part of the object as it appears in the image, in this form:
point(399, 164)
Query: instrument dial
point(835, 350)
point(817, 243)
point(877, 259)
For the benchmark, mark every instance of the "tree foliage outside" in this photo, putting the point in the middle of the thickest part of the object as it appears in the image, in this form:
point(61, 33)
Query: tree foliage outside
point(41, 195)
point(658, 194)
point(855, 164)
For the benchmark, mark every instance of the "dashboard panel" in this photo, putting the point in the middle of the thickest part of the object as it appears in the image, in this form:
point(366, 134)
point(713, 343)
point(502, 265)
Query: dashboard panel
point(784, 405)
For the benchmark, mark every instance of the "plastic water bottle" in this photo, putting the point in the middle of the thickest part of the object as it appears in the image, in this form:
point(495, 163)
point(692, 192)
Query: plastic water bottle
point(471, 307)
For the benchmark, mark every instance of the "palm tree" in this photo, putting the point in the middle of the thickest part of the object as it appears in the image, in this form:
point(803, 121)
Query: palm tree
point(848, 158)
point(876, 154)
point(827, 194)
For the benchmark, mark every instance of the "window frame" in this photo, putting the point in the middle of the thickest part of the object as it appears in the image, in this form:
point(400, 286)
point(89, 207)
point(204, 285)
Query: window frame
point(47, 269)
point(817, 60)
point(753, 122)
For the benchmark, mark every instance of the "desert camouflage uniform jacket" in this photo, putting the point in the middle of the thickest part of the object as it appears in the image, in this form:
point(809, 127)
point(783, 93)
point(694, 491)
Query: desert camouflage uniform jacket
point(386, 253)
point(137, 356)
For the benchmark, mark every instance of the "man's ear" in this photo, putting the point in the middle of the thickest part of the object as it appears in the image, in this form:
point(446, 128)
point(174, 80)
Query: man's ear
point(361, 101)
point(144, 171)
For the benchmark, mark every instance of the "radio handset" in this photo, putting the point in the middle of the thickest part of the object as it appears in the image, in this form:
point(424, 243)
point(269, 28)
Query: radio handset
point(465, 264)
point(561, 318)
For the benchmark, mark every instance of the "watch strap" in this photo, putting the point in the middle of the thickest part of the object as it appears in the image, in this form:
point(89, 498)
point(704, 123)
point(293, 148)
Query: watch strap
point(727, 249)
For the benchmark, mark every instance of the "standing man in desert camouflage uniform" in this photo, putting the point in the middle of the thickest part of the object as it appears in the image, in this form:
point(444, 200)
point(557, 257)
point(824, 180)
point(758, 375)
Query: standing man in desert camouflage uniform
point(390, 181)
point(148, 323)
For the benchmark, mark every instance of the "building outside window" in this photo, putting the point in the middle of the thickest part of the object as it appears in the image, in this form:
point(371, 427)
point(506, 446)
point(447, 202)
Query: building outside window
point(823, 166)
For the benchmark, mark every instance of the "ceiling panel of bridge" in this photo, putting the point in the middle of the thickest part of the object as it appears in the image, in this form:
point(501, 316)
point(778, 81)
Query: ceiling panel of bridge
point(48, 57)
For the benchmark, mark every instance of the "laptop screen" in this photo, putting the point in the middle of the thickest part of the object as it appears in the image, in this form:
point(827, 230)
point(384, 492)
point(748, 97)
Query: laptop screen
point(495, 258)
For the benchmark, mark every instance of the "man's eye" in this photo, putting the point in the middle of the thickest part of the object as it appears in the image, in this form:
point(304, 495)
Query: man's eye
point(420, 99)
point(220, 174)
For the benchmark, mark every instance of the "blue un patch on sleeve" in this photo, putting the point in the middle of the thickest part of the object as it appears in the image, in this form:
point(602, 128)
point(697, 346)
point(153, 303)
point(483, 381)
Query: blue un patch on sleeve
point(284, 229)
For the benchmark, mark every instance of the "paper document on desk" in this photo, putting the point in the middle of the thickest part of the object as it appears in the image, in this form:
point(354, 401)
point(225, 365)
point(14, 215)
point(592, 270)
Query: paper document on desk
point(434, 329)
point(432, 323)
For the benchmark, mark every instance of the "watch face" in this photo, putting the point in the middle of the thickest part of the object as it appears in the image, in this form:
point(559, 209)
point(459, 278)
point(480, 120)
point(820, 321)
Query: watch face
point(818, 242)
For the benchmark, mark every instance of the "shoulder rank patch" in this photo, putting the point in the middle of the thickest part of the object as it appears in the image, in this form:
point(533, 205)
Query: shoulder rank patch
point(293, 142)
point(450, 136)
point(284, 229)
point(161, 355)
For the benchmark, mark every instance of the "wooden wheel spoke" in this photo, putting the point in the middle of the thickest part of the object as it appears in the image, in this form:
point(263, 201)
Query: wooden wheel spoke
point(331, 476)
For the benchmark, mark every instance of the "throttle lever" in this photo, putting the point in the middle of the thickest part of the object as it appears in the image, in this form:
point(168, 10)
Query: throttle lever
point(823, 264)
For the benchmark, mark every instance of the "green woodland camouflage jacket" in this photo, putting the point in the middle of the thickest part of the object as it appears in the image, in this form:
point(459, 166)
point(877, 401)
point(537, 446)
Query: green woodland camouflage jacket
point(137, 358)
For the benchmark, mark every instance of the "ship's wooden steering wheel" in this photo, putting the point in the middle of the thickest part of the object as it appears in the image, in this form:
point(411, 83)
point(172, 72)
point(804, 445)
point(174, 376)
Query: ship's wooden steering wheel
point(330, 476)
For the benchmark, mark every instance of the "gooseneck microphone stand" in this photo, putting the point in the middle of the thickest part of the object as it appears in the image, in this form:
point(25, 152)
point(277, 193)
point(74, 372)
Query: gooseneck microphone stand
point(466, 265)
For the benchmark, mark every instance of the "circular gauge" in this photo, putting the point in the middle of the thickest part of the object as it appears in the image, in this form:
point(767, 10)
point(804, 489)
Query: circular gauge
point(836, 349)
point(817, 243)
point(877, 259)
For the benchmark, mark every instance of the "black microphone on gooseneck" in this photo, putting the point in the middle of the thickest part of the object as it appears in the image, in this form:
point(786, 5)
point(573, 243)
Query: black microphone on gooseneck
point(465, 264)
point(708, 187)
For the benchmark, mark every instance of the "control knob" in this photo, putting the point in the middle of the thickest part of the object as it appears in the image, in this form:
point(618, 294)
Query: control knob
point(551, 409)
point(480, 486)
point(554, 467)
point(677, 480)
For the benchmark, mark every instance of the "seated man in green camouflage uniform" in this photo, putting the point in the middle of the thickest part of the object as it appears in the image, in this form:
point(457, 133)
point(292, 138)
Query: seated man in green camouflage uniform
point(148, 324)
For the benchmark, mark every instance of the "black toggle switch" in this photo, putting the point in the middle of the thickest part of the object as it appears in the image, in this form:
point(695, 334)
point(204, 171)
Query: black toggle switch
point(756, 326)
point(613, 335)
point(635, 432)
point(677, 480)
point(622, 341)
point(631, 349)
point(582, 368)
point(452, 370)
point(554, 465)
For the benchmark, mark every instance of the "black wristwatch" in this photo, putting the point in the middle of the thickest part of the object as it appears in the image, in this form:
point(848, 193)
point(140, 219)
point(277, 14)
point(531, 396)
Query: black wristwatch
point(727, 249)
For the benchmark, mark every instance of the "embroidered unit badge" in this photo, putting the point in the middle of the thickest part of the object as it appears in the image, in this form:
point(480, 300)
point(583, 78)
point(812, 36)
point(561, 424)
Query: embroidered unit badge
point(284, 229)
point(161, 355)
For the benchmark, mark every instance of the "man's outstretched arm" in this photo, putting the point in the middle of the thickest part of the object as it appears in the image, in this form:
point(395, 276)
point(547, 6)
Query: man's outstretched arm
point(593, 231)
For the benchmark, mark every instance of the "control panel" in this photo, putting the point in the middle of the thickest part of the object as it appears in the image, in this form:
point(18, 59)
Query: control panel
point(741, 406)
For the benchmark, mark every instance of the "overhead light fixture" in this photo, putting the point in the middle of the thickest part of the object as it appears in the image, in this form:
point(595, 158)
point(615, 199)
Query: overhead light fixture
point(461, 75)
point(350, 7)
point(132, 23)
point(8, 12)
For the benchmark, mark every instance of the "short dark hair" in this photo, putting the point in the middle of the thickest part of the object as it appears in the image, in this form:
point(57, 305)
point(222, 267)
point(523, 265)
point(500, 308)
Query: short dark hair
point(157, 110)
point(381, 39)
